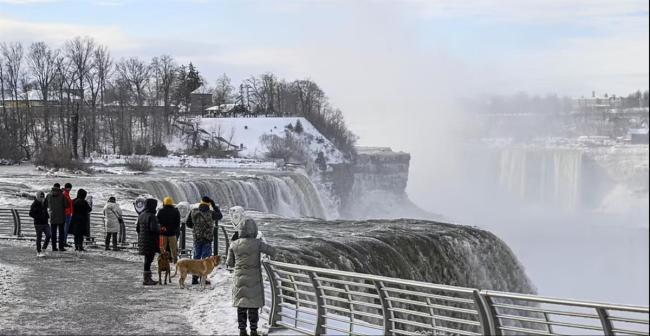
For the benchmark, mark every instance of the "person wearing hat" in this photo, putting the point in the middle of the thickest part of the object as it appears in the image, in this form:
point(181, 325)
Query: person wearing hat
point(38, 211)
point(80, 222)
point(202, 222)
point(170, 222)
point(112, 219)
point(56, 204)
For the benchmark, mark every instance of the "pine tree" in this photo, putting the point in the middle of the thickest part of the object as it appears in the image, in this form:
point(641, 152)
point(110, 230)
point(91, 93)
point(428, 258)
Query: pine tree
point(298, 128)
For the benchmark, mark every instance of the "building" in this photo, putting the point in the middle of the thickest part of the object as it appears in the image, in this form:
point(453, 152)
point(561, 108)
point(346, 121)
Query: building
point(638, 135)
point(200, 99)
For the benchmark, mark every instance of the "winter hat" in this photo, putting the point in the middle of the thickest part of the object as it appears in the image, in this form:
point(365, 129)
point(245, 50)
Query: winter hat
point(168, 201)
point(40, 196)
point(110, 199)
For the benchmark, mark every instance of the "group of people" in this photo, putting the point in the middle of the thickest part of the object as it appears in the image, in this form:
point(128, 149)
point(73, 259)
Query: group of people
point(158, 230)
point(57, 215)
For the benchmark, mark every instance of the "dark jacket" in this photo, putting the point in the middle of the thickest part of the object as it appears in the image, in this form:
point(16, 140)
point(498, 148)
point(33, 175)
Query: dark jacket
point(148, 229)
point(56, 204)
point(202, 222)
point(244, 255)
point(80, 222)
point(38, 211)
point(169, 218)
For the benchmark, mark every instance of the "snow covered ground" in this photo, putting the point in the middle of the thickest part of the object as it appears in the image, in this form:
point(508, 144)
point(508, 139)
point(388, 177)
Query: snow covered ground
point(101, 292)
point(246, 132)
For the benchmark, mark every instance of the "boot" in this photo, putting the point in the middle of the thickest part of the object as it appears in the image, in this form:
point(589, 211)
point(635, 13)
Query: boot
point(243, 332)
point(195, 280)
point(254, 333)
point(148, 281)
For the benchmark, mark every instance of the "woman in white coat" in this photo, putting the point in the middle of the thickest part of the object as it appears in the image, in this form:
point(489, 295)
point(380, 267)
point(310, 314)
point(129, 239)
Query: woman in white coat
point(112, 220)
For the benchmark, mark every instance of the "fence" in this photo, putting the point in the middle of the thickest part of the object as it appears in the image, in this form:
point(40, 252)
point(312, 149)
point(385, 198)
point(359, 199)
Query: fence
point(319, 301)
point(311, 300)
point(15, 222)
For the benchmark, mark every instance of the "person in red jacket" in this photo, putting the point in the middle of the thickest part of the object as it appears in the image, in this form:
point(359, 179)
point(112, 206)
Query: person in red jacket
point(68, 212)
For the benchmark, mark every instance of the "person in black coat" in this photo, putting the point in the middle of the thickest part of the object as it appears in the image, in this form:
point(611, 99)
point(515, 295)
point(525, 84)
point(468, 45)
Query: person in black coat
point(80, 222)
point(38, 211)
point(170, 223)
point(148, 231)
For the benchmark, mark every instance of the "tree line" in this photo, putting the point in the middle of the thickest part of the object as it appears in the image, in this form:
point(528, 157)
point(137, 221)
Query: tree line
point(79, 99)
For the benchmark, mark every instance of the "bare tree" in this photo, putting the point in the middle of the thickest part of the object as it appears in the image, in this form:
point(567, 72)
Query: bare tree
point(164, 71)
point(79, 51)
point(223, 90)
point(42, 61)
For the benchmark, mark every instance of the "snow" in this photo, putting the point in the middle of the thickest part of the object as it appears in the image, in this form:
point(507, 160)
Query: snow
point(171, 161)
point(246, 132)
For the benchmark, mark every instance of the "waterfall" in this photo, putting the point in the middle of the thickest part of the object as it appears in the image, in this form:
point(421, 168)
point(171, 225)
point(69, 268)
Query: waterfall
point(409, 249)
point(287, 194)
point(551, 176)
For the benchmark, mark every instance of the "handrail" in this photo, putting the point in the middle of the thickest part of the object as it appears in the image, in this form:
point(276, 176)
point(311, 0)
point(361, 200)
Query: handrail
point(357, 303)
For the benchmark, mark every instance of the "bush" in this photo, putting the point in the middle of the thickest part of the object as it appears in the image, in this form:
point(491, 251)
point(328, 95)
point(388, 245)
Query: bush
point(159, 150)
point(288, 148)
point(298, 129)
point(139, 163)
point(140, 149)
point(58, 157)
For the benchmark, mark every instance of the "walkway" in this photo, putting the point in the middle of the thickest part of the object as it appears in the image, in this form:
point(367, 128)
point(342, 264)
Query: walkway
point(101, 292)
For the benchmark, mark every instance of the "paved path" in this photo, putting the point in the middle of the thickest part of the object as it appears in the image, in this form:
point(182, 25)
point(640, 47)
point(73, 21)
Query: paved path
point(96, 292)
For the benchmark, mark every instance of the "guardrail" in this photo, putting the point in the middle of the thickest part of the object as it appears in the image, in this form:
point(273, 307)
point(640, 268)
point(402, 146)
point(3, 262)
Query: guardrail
point(318, 301)
point(15, 222)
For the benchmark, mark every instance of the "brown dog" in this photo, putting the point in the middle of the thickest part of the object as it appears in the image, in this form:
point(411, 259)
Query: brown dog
point(200, 268)
point(163, 266)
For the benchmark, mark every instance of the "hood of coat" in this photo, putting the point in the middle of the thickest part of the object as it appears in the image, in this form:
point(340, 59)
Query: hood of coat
point(150, 205)
point(81, 194)
point(248, 229)
point(237, 216)
point(40, 196)
point(56, 192)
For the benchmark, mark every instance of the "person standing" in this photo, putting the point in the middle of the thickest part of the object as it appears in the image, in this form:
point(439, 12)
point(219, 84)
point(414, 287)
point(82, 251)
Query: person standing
point(248, 289)
point(148, 230)
point(170, 222)
point(68, 212)
point(202, 222)
point(80, 221)
point(38, 211)
point(112, 220)
point(56, 205)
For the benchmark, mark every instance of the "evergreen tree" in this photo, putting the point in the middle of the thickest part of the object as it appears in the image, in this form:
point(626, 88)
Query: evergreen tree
point(298, 129)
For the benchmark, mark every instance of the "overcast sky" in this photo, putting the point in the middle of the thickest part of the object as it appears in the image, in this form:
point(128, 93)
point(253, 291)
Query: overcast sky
point(393, 67)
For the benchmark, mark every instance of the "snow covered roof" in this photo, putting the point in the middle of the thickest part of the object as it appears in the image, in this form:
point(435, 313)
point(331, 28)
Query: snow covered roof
point(201, 90)
point(638, 131)
point(222, 107)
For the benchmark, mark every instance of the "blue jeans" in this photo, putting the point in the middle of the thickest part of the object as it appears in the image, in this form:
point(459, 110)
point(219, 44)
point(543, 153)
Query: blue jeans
point(202, 250)
point(66, 228)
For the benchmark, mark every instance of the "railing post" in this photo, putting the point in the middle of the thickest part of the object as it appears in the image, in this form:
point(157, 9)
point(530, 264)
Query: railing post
point(17, 222)
point(482, 314)
point(491, 314)
point(385, 308)
point(319, 329)
point(183, 235)
point(604, 321)
point(274, 315)
point(226, 239)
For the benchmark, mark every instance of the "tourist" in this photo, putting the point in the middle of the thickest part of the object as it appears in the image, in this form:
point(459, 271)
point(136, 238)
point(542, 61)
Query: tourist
point(112, 220)
point(80, 222)
point(170, 222)
point(248, 290)
point(38, 211)
point(56, 204)
point(68, 213)
point(202, 222)
point(148, 230)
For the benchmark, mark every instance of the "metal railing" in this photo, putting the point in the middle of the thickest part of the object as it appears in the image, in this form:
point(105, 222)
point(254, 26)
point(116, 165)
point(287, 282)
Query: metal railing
point(318, 301)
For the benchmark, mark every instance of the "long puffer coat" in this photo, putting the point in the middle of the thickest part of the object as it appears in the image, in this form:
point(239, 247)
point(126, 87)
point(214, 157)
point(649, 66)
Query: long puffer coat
point(80, 222)
point(244, 255)
point(112, 215)
point(148, 229)
point(56, 204)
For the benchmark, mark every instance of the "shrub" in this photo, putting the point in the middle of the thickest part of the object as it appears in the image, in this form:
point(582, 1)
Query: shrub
point(139, 163)
point(58, 157)
point(140, 148)
point(159, 150)
point(288, 148)
point(298, 129)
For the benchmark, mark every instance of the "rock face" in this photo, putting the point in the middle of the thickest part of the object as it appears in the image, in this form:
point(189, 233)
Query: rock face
point(374, 185)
